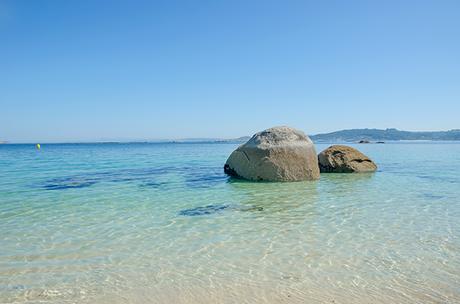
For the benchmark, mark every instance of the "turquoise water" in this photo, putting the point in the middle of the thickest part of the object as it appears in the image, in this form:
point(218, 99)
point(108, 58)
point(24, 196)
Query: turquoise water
point(161, 223)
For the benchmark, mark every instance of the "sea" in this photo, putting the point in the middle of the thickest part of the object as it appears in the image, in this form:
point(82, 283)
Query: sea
point(162, 223)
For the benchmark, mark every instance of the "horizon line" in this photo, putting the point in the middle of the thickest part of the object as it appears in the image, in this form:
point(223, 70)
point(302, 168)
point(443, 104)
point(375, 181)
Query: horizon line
point(194, 139)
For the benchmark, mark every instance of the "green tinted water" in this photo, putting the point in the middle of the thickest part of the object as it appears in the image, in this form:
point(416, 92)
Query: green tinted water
point(161, 223)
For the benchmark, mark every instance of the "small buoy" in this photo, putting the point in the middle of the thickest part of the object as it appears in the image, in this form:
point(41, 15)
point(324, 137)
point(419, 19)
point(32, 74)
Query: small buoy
point(38, 146)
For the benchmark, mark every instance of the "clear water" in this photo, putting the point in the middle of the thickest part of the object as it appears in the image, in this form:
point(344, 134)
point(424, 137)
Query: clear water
point(160, 223)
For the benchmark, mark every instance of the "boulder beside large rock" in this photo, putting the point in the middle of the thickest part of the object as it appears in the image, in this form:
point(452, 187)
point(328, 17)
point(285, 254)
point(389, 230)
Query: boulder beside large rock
point(344, 159)
point(276, 154)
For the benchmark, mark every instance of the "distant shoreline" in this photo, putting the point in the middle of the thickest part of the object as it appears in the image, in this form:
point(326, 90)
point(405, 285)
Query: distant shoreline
point(342, 136)
point(231, 142)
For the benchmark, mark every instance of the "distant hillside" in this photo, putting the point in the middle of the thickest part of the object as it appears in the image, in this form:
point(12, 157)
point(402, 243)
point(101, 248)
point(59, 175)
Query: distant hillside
point(210, 140)
point(354, 135)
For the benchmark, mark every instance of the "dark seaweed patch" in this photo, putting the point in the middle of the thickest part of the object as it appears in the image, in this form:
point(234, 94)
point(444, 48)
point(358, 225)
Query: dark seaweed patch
point(438, 178)
point(195, 177)
point(153, 184)
point(254, 208)
point(427, 177)
point(204, 178)
point(432, 196)
point(120, 179)
point(18, 287)
point(206, 210)
point(117, 176)
point(68, 185)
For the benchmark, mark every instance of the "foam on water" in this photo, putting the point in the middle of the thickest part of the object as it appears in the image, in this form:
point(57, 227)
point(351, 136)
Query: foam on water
point(161, 223)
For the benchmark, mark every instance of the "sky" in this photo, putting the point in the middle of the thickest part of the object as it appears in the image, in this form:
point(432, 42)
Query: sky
point(97, 70)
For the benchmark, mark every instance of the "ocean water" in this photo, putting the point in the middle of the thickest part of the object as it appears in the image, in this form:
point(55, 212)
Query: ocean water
point(161, 223)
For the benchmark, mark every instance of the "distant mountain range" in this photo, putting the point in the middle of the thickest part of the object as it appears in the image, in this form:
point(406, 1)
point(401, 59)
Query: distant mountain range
point(356, 135)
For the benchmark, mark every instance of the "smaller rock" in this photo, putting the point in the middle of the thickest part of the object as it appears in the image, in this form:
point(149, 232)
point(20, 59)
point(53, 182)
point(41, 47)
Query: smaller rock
point(344, 159)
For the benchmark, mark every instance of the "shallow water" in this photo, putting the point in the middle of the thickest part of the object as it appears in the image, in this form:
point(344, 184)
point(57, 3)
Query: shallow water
point(161, 223)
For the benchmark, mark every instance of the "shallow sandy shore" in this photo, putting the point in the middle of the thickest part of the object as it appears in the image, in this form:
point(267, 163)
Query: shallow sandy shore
point(250, 294)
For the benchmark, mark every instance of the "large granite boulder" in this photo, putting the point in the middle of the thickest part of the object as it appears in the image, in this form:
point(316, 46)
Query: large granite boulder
point(276, 154)
point(344, 159)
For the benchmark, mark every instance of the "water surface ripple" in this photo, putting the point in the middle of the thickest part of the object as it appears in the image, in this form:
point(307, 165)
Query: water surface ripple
point(161, 223)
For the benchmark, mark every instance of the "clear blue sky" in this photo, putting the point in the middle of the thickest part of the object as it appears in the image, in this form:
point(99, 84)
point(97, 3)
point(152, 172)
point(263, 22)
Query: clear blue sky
point(121, 70)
